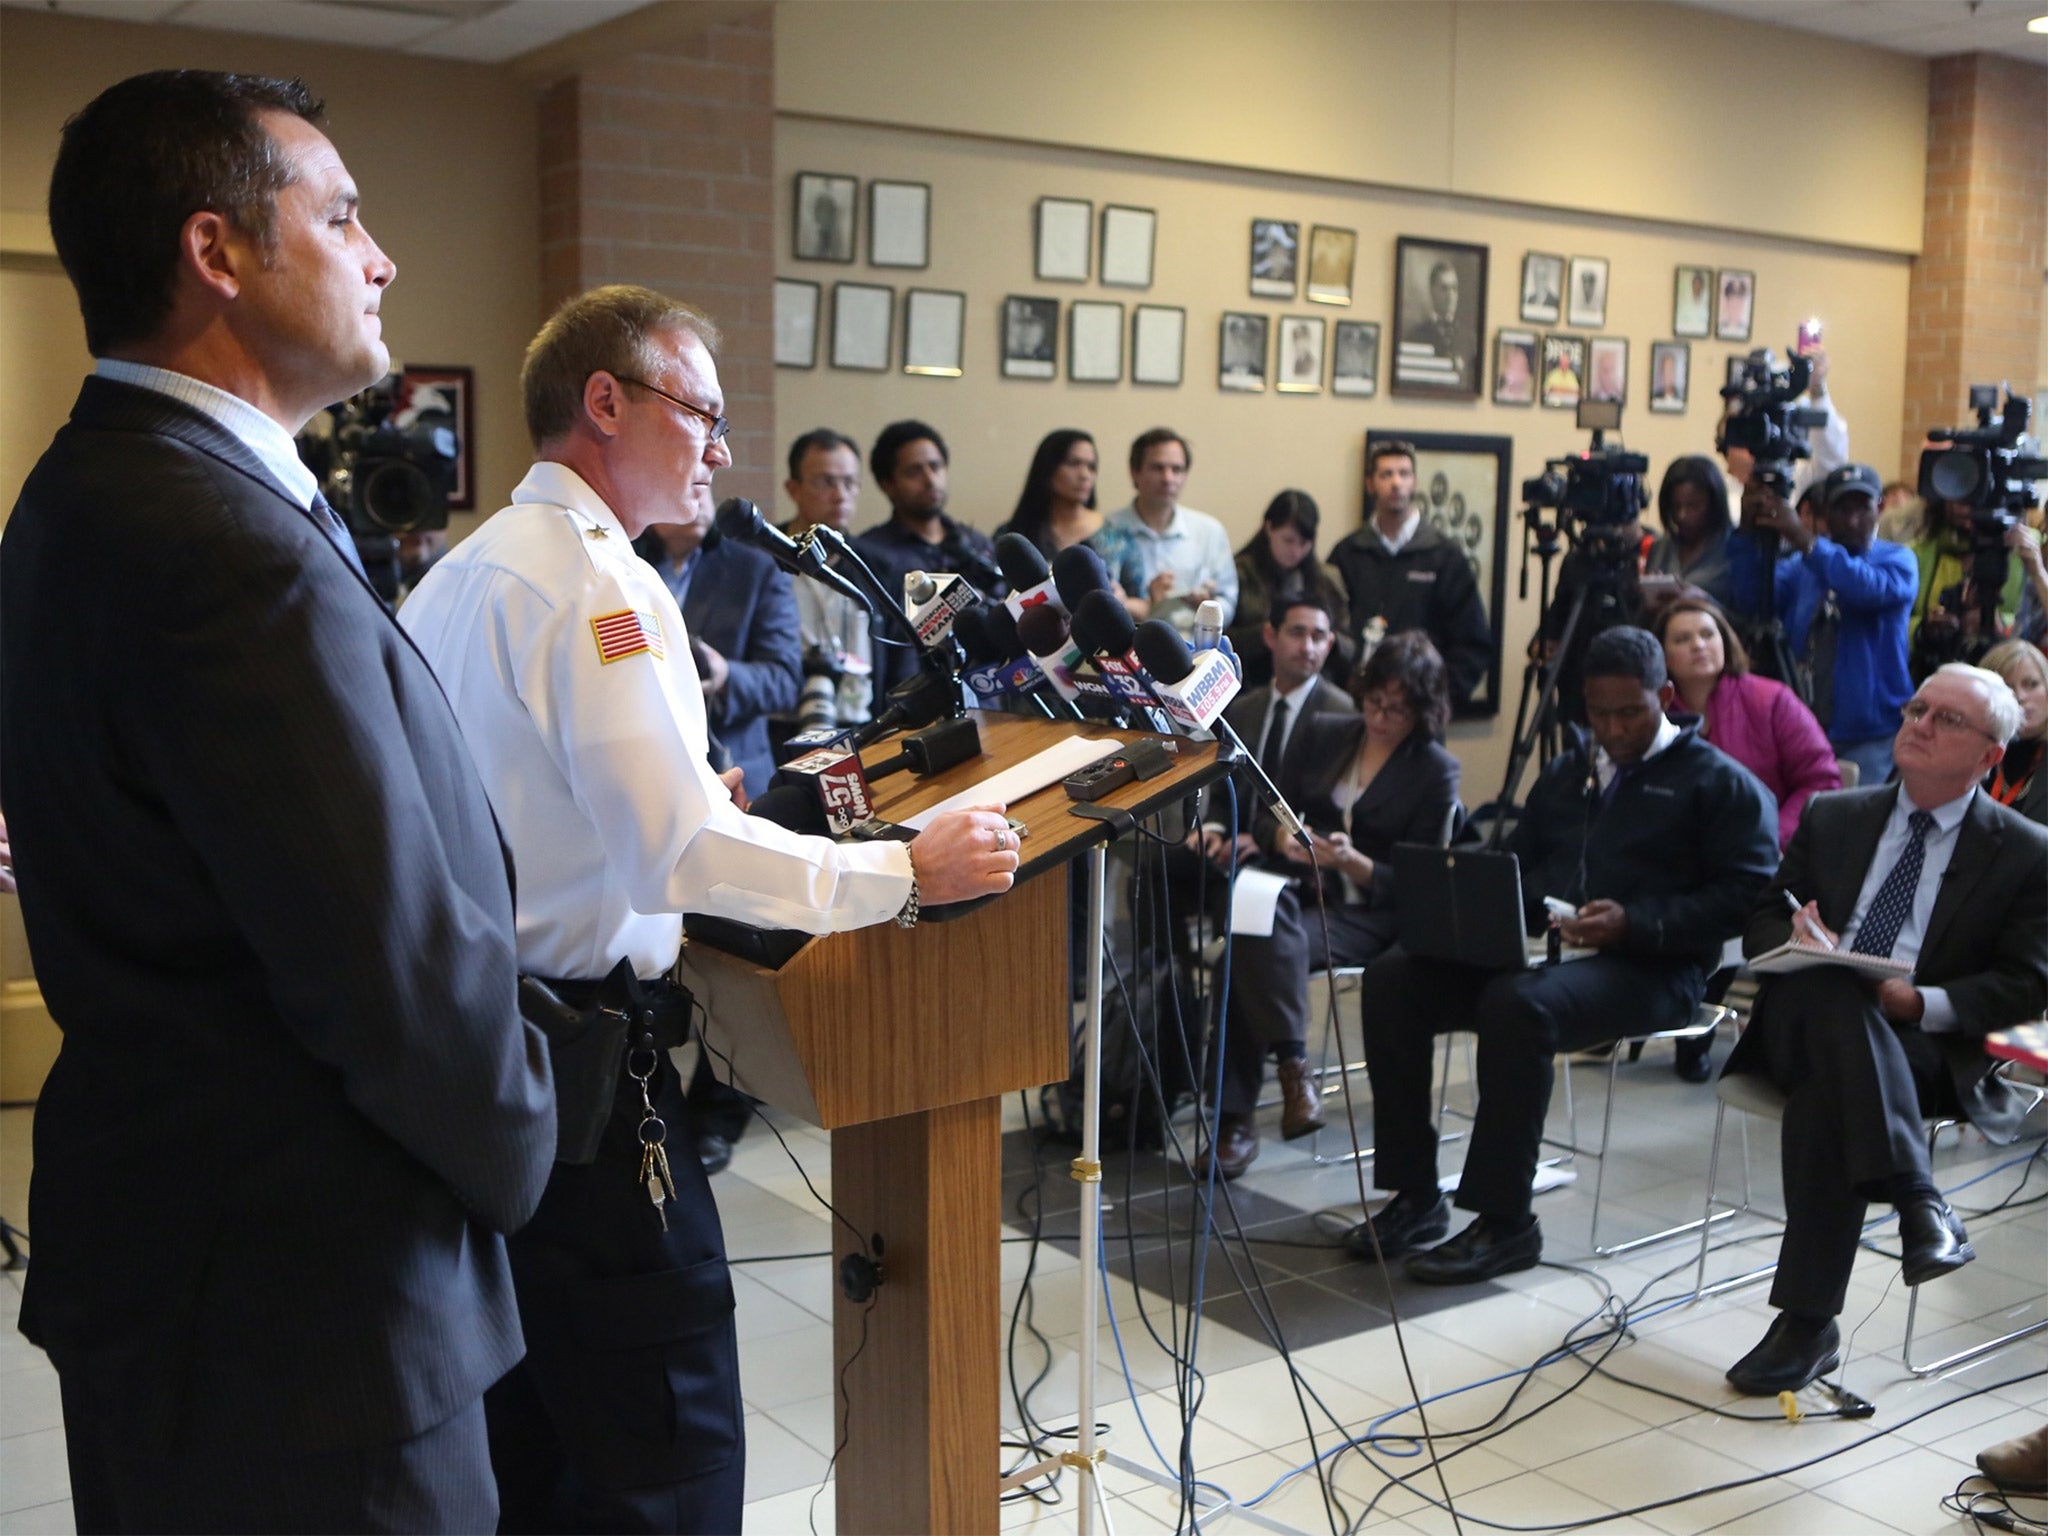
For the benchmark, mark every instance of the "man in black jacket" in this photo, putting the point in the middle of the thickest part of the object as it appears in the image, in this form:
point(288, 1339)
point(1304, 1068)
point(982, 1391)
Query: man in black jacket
point(1661, 842)
point(1401, 573)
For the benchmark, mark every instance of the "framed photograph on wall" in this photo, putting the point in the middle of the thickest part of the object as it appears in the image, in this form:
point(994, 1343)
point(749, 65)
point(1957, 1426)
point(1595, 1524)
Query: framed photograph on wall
point(1332, 256)
point(1031, 329)
point(862, 316)
point(1095, 342)
point(1066, 226)
point(1462, 487)
point(1355, 359)
point(1735, 304)
point(899, 224)
point(934, 325)
point(1542, 287)
point(1159, 334)
point(822, 221)
point(1439, 318)
point(796, 323)
point(434, 396)
point(1586, 292)
point(1276, 258)
point(1607, 369)
point(1564, 371)
point(1514, 367)
point(1127, 236)
point(1241, 353)
point(1692, 302)
point(1670, 375)
point(1298, 361)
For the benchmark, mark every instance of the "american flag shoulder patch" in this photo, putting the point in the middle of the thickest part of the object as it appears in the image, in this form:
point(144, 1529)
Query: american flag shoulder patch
point(626, 633)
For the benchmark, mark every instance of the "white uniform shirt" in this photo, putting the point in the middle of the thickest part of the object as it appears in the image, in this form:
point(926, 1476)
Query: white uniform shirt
point(596, 768)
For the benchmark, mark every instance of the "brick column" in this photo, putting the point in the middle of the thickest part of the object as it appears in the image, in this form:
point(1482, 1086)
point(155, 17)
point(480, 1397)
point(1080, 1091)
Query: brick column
point(1974, 305)
point(658, 168)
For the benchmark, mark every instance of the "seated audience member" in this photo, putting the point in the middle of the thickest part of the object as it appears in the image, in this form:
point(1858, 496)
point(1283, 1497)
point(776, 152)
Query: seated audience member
point(1901, 514)
point(1932, 872)
point(1182, 556)
point(824, 486)
point(1843, 599)
point(1362, 783)
point(1056, 508)
point(1947, 622)
point(1661, 842)
point(1277, 566)
point(1692, 503)
point(2018, 781)
point(1400, 573)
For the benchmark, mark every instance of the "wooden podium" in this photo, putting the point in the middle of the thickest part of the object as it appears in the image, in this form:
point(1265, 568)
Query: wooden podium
point(902, 1044)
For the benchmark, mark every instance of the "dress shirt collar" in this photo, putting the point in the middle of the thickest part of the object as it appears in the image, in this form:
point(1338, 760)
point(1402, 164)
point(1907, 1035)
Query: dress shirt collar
point(552, 484)
point(1399, 541)
point(1947, 816)
point(1176, 526)
point(260, 434)
point(1668, 731)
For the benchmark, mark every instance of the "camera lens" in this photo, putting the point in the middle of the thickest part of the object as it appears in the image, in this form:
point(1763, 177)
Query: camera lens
point(1956, 476)
point(396, 496)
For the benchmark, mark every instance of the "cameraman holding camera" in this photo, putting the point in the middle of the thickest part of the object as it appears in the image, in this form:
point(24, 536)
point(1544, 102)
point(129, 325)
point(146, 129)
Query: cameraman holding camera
point(1953, 556)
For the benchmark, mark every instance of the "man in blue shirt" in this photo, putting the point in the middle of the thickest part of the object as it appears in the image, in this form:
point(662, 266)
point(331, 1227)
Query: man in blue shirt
point(1185, 555)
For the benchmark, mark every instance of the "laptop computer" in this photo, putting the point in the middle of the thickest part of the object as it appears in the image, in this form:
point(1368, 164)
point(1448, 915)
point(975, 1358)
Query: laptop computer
point(1465, 904)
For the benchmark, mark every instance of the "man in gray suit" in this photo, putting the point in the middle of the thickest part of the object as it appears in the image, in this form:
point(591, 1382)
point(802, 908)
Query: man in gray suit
point(1932, 871)
point(295, 1106)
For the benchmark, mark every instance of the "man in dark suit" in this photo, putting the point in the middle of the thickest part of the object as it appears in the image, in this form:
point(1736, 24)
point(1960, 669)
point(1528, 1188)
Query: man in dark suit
point(1928, 870)
point(295, 1106)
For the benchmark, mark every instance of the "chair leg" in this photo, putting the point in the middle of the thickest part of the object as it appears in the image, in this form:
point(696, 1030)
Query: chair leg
point(1709, 1216)
point(1333, 1042)
point(1974, 1352)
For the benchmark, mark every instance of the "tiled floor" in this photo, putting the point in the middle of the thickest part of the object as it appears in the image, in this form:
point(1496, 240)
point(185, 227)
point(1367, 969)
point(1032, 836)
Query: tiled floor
point(1573, 1446)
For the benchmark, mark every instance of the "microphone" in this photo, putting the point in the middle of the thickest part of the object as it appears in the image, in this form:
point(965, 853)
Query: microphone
point(1103, 628)
point(934, 602)
point(738, 518)
point(1026, 574)
point(998, 669)
point(1077, 570)
point(933, 749)
point(1194, 692)
point(793, 806)
point(1208, 624)
point(1043, 630)
point(835, 782)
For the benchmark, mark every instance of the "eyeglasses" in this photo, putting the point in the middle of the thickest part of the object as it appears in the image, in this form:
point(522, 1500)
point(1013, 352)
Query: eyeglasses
point(719, 425)
point(830, 482)
point(1380, 704)
point(1946, 719)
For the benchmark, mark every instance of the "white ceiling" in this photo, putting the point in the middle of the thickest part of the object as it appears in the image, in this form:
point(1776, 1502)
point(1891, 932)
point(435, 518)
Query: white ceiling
point(1927, 27)
point(484, 31)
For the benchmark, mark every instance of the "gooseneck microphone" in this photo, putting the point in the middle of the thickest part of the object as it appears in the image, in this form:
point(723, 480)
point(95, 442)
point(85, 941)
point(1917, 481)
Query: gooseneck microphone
point(1076, 571)
point(1025, 573)
point(738, 518)
point(1104, 630)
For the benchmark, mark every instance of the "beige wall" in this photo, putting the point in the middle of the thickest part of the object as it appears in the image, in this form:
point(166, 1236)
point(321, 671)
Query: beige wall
point(1248, 447)
point(1643, 110)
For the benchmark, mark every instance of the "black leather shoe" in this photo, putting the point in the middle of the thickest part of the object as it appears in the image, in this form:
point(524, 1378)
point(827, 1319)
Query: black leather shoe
point(1934, 1241)
point(1237, 1143)
point(1793, 1354)
point(1694, 1062)
point(714, 1152)
point(1402, 1223)
point(1479, 1252)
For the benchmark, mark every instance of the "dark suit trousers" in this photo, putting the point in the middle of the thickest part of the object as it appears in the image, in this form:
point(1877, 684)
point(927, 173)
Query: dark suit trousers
point(438, 1480)
point(1522, 1020)
point(1269, 985)
point(625, 1414)
point(1856, 1087)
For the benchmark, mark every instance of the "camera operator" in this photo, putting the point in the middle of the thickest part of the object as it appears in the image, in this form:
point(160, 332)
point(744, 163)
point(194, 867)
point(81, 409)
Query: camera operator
point(1843, 598)
point(1953, 556)
point(839, 650)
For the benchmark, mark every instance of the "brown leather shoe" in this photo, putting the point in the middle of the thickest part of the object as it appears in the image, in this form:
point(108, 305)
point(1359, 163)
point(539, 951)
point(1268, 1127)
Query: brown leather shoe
point(1301, 1109)
point(2018, 1466)
point(1237, 1143)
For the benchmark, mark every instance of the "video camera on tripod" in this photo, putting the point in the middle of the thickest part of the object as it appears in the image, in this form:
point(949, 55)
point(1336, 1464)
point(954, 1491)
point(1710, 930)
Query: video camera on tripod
point(1984, 469)
point(383, 475)
point(1763, 421)
point(1597, 495)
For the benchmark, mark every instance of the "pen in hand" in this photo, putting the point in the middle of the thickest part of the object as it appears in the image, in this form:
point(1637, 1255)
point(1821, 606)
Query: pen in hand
point(1812, 934)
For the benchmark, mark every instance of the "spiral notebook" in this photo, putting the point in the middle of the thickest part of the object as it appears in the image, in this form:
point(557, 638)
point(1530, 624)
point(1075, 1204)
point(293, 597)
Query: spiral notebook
point(1793, 955)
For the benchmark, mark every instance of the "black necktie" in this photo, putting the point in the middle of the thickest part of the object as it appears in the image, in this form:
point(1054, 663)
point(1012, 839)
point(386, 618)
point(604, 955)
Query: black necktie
point(329, 522)
point(1894, 899)
point(1276, 739)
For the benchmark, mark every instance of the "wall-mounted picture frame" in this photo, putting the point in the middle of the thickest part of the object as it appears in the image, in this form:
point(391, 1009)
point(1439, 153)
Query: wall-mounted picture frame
point(1332, 259)
point(1542, 288)
point(1159, 334)
point(1514, 367)
point(1064, 235)
point(1355, 359)
point(1692, 302)
point(1462, 488)
point(1128, 235)
point(1030, 337)
point(1298, 357)
point(1095, 342)
point(1670, 375)
point(863, 315)
point(899, 224)
point(1586, 293)
point(796, 322)
point(1564, 372)
point(1734, 303)
point(1734, 369)
point(1241, 352)
point(1276, 258)
point(434, 395)
point(1607, 369)
point(1439, 318)
point(822, 221)
point(934, 332)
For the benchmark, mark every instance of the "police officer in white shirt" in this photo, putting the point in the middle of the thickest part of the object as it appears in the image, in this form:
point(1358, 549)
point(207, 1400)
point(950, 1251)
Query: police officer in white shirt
point(564, 657)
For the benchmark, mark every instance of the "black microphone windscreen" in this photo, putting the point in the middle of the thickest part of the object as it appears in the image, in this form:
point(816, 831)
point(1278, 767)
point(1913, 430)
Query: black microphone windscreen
point(791, 806)
point(737, 518)
point(974, 631)
point(1002, 630)
point(1102, 625)
point(1043, 629)
point(1165, 655)
point(1020, 561)
point(1077, 570)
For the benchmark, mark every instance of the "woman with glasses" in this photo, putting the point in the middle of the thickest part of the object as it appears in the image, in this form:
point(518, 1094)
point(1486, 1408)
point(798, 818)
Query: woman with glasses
point(1278, 565)
point(2017, 780)
point(1056, 508)
point(1361, 783)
